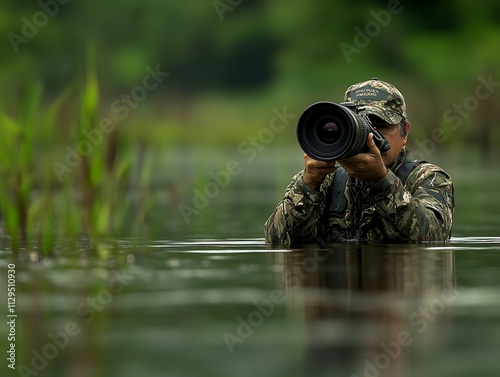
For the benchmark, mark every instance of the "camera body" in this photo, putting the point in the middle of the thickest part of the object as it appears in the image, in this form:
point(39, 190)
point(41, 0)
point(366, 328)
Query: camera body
point(329, 131)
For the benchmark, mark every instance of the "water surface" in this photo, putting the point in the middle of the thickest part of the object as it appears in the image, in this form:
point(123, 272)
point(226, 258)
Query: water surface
point(231, 307)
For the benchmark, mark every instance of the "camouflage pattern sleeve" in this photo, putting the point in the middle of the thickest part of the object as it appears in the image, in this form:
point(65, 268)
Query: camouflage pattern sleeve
point(422, 210)
point(295, 218)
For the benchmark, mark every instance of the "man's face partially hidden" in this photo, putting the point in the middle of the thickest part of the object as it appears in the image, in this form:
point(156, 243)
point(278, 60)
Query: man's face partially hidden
point(393, 136)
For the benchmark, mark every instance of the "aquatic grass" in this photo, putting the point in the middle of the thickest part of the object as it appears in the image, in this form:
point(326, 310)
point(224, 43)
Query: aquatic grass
point(17, 168)
point(103, 174)
point(37, 206)
point(11, 216)
point(28, 182)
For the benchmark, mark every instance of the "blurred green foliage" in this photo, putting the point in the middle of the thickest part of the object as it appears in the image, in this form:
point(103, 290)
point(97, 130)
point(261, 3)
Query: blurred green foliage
point(231, 62)
point(46, 196)
point(166, 75)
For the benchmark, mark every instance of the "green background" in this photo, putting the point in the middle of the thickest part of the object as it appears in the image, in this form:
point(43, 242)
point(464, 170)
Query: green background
point(231, 65)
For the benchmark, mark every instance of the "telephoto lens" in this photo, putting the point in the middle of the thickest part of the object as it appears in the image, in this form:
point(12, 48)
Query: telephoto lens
point(328, 131)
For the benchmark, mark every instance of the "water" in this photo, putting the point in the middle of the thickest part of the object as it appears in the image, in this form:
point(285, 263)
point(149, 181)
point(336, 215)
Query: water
point(226, 307)
point(209, 298)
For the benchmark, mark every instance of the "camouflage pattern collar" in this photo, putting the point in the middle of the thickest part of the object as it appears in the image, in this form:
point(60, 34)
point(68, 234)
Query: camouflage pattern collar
point(403, 155)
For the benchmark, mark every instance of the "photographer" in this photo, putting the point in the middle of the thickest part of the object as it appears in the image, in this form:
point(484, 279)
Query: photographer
point(370, 196)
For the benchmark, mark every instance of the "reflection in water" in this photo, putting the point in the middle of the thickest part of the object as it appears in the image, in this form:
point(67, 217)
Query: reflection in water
point(369, 309)
point(350, 310)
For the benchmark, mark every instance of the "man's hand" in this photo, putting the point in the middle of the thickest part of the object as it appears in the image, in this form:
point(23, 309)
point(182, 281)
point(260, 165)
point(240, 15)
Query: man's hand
point(316, 171)
point(369, 166)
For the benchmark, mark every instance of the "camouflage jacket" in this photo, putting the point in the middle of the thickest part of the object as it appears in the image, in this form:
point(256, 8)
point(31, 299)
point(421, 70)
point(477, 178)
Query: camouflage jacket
point(421, 209)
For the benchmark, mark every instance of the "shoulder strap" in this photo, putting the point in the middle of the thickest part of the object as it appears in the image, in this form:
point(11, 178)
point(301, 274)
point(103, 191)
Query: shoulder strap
point(406, 168)
point(337, 201)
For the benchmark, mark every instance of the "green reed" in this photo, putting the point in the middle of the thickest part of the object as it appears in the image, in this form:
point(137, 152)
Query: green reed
point(90, 199)
point(17, 168)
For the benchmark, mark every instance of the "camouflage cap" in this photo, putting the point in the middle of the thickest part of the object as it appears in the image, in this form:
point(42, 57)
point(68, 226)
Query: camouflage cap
point(378, 98)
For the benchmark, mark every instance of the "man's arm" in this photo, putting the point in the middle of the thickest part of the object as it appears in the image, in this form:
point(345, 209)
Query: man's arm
point(295, 218)
point(423, 210)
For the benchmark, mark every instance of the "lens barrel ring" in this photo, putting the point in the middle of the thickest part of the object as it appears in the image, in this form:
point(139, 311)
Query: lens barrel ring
point(329, 131)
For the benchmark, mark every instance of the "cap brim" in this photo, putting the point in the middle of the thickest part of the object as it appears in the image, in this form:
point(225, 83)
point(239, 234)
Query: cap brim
point(389, 116)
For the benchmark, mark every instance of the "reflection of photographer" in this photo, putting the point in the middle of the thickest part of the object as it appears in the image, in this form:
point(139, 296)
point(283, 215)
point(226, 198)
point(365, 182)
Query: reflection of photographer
point(369, 310)
point(376, 193)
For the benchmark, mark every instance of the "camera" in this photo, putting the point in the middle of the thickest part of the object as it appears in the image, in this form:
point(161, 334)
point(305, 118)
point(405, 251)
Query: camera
point(330, 131)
